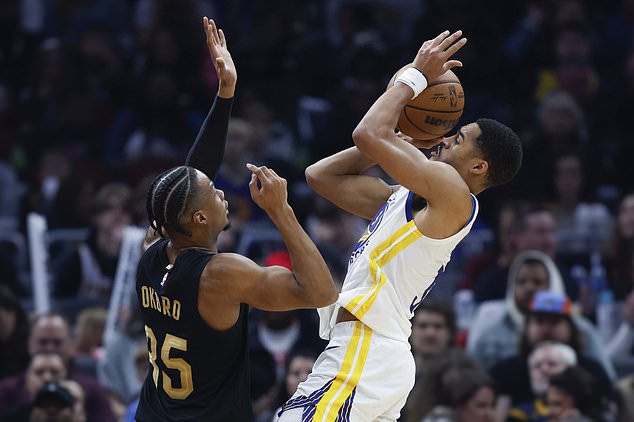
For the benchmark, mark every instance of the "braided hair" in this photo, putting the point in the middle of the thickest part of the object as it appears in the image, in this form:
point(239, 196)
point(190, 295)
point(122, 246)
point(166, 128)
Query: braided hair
point(168, 198)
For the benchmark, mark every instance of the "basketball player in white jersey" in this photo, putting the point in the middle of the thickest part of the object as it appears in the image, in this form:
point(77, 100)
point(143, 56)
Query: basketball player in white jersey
point(367, 370)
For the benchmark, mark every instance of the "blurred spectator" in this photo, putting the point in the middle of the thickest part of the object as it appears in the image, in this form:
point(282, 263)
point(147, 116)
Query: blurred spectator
point(62, 191)
point(560, 127)
point(571, 397)
point(546, 360)
point(274, 337)
point(234, 177)
point(620, 349)
point(79, 408)
point(550, 319)
point(433, 335)
point(54, 401)
point(88, 271)
point(9, 279)
point(14, 332)
point(137, 205)
point(582, 227)
point(117, 371)
point(335, 229)
point(537, 231)
point(549, 358)
point(141, 365)
point(626, 388)
point(50, 403)
point(615, 126)
point(531, 31)
point(72, 17)
point(52, 333)
point(465, 396)
point(54, 168)
point(573, 70)
point(506, 233)
point(498, 324)
point(299, 366)
point(114, 87)
point(11, 193)
point(621, 251)
point(353, 19)
point(89, 329)
point(18, 391)
point(426, 394)
point(102, 66)
point(159, 126)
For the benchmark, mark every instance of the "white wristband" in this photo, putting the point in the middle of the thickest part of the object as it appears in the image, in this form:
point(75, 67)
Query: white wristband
point(414, 79)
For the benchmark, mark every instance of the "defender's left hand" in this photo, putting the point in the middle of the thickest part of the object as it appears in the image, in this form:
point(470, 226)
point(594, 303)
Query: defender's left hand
point(221, 58)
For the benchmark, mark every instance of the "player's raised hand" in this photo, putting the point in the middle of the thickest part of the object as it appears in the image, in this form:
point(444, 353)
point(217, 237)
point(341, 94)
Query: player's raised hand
point(271, 194)
point(433, 56)
point(221, 58)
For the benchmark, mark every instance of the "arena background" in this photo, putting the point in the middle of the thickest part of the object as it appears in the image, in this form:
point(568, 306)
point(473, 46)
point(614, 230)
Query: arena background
point(98, 96)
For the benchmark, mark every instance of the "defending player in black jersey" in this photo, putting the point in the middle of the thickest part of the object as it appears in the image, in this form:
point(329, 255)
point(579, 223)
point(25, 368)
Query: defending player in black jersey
point(193, 298)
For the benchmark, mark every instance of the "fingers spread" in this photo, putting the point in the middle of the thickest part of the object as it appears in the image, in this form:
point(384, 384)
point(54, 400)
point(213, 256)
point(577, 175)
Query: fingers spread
point(450, 40)
point(454, 48)
point(223, 40)
point(209, 31)
point(440, 38)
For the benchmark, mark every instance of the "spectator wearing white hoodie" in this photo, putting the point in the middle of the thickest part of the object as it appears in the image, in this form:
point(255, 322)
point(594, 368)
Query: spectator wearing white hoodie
point(495, 332)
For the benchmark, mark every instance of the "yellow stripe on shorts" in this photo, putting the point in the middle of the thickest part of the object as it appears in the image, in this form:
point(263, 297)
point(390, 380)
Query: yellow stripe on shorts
point(348, 377)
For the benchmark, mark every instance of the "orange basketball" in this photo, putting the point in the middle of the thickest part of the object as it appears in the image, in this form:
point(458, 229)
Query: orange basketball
point(435, 111)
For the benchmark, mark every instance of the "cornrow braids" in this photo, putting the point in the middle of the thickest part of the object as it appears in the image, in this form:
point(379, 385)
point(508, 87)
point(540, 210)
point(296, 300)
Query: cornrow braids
point(168, 198)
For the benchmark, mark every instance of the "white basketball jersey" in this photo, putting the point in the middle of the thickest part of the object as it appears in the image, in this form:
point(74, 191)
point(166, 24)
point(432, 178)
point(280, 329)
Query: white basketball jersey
point(391, 269)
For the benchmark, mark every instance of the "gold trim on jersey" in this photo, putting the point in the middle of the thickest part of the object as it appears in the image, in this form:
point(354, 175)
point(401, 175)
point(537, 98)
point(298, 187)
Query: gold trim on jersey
point(381, 255)
point(348, 377)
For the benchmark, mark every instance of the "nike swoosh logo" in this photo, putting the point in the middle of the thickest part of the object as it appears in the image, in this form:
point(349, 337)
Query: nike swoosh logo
point(330, 347)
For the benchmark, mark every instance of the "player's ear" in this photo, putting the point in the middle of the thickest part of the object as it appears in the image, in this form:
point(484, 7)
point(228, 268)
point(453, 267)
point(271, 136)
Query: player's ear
point(479, 167)
point(199, 217)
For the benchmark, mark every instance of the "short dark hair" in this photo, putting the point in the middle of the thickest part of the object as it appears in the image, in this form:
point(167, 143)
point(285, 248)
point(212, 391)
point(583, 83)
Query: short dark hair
point(443, 309)
point(576, 342)
point(46, 353)
point(168, 198)
point(579, 384)
point(533, 261)
point(502, 149)
point(458, 386)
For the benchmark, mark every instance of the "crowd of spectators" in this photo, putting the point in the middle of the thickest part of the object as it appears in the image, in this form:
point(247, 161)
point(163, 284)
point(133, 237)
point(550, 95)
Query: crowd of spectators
point(532, 320)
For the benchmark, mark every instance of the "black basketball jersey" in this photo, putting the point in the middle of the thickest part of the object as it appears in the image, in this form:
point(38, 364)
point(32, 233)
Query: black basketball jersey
point(196, 373)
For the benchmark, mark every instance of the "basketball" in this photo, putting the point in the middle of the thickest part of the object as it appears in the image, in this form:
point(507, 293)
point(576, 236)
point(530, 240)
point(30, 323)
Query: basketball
point(435, 111)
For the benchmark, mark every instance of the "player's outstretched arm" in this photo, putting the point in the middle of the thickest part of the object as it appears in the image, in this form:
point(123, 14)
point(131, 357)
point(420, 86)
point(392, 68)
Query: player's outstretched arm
point(208, 150)
point(338, 178)
point(309, 285)
point(437, 182)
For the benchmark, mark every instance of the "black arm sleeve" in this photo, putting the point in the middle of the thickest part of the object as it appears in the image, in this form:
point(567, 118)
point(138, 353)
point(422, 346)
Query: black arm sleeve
point(209, 148)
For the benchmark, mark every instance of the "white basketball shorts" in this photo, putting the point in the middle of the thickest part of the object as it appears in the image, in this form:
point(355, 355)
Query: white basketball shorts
point(360, 376)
